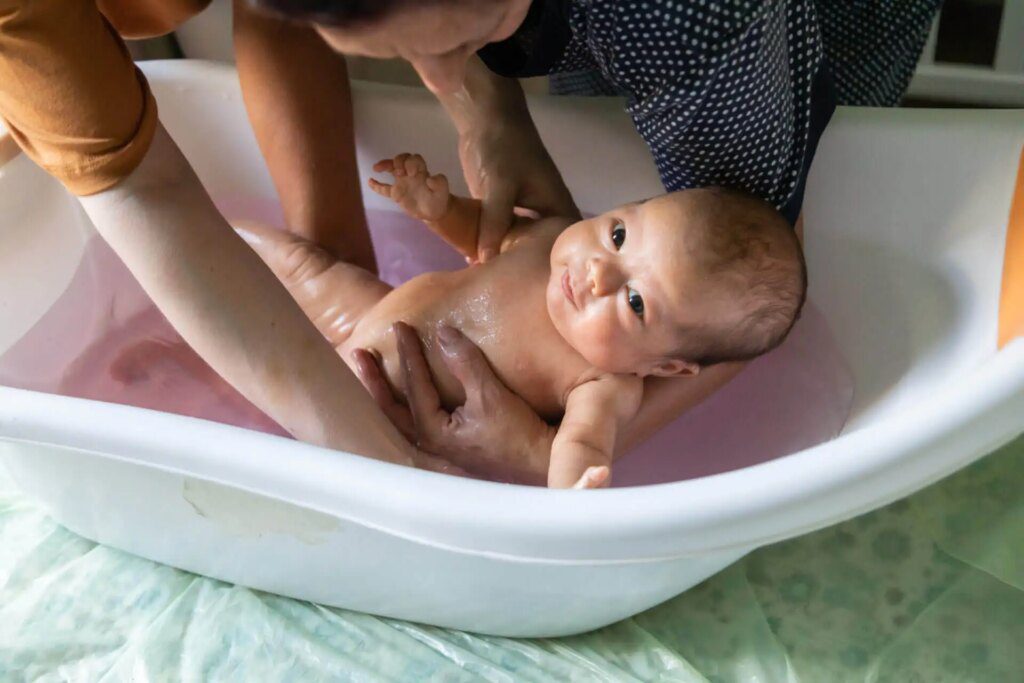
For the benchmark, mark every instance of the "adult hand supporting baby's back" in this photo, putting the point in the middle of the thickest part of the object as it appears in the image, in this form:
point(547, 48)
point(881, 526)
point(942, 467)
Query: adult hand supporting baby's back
point(494, 434)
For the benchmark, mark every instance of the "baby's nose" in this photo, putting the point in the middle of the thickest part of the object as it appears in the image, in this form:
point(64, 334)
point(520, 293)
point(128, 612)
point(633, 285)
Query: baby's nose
point(605, 278)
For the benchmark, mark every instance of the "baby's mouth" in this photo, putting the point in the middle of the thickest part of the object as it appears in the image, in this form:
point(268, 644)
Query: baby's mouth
point(567, 289)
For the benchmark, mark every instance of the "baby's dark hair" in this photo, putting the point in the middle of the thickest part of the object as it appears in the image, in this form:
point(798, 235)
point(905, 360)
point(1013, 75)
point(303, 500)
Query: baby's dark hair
point(748, 252)
point(337, 12)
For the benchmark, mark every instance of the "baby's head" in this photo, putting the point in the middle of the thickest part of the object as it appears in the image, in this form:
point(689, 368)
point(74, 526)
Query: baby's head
point(678, 282)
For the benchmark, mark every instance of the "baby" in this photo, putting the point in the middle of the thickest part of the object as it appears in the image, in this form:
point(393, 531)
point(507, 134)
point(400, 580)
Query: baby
point(572, 314)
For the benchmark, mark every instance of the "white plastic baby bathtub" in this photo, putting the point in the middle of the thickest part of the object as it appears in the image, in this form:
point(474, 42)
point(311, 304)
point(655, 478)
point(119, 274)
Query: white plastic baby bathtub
point(907, 218)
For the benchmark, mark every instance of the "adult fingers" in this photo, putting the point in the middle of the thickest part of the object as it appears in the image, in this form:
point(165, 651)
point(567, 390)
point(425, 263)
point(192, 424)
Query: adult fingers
point(383, 189)
point(369, 373)
point(495, 219)
point(420, 392)
point(466, 362)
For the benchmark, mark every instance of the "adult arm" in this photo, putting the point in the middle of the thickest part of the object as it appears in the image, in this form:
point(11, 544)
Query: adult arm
point(229, 307)
point(503, 158)
point(77, 105)
point(296, 91)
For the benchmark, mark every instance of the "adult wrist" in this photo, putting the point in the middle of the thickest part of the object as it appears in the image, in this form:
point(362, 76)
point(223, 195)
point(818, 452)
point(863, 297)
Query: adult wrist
point(485, 99)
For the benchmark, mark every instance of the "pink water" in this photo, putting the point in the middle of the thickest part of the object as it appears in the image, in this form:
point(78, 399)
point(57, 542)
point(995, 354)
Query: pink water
point(104, 340)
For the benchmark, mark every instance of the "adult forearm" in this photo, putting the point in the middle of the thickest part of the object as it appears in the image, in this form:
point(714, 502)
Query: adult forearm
point(229, 307)
point(296, 91)
point(485, 99)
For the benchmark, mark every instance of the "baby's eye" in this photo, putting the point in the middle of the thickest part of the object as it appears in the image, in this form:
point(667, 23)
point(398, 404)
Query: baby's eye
point(636, 302)
point(618, 235)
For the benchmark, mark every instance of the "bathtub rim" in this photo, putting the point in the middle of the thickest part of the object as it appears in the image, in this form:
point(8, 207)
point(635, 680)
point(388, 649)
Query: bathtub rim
point(751, 506)
point(789, 496)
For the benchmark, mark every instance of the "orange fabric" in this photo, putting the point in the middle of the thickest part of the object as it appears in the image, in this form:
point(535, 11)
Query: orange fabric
point(1011, 299)
point(149, 18)
point(69, 92)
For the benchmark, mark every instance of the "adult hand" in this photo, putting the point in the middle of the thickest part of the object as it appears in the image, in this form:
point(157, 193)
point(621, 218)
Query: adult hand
point(503, 158)
point(506, 165)
point(494, 433)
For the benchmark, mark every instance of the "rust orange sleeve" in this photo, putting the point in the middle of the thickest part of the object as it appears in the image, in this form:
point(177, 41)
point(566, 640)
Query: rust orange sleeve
point(1011, 298)
point(70, 94)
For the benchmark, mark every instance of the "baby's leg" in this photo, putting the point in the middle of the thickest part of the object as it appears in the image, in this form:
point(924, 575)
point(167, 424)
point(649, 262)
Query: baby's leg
point(334, 294)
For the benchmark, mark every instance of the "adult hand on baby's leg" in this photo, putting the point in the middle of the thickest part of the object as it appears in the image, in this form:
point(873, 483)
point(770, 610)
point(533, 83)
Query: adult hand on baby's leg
point(420, 194)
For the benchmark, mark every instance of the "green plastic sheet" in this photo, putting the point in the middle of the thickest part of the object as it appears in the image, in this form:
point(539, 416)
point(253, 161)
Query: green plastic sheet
point(930, 589)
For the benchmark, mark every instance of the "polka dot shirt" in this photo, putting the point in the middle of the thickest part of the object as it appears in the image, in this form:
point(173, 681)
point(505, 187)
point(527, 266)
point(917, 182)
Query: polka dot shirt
point(724, 92)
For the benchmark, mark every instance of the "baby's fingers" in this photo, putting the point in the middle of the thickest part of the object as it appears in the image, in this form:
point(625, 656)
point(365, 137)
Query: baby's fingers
point(384, 166)
point(415, 165)
point(593, 478)
point(383, 189)
point(399, 164)
point(438, 183)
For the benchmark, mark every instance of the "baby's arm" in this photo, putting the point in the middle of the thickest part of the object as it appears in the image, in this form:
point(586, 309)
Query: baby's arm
point(426, 197)
point(581, 454)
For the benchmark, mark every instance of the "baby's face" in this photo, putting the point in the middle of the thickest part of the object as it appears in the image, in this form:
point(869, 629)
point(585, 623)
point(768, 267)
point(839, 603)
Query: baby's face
point(623, 283)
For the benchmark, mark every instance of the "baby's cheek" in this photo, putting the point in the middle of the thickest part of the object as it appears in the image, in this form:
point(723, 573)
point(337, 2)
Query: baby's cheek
point(602, 347)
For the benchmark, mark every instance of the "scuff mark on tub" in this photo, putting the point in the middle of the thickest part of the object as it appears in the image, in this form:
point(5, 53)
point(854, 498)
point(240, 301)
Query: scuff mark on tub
point(247, 514)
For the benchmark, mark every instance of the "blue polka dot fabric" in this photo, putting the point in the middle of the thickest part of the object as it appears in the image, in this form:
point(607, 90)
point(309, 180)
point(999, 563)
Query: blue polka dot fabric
point(725, 92)
point(873, 46)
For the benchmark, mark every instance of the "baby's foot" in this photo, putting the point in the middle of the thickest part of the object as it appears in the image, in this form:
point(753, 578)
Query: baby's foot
point(420, 194)
point(594, 477)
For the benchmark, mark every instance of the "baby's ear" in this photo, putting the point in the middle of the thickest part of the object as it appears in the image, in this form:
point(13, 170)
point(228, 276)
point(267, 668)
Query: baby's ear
point(674, 367)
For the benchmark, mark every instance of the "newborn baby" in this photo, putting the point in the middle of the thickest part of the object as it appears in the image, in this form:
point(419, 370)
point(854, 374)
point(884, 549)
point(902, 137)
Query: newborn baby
point(572, 314)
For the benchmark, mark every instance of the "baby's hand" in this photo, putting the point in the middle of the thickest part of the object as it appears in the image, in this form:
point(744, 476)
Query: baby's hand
point(420, 195)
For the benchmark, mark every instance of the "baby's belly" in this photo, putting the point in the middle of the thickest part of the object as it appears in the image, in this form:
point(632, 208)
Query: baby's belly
point(426, 305)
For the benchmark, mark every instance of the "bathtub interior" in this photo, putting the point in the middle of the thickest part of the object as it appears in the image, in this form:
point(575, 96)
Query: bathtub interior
point(909, 268)
point(904, 288)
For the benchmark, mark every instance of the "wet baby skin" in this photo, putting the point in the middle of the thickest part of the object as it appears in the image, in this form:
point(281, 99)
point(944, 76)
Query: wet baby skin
point(570, 315)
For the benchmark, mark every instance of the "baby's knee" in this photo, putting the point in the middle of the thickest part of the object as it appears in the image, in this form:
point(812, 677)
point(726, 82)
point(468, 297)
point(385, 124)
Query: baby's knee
point(293, 259)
